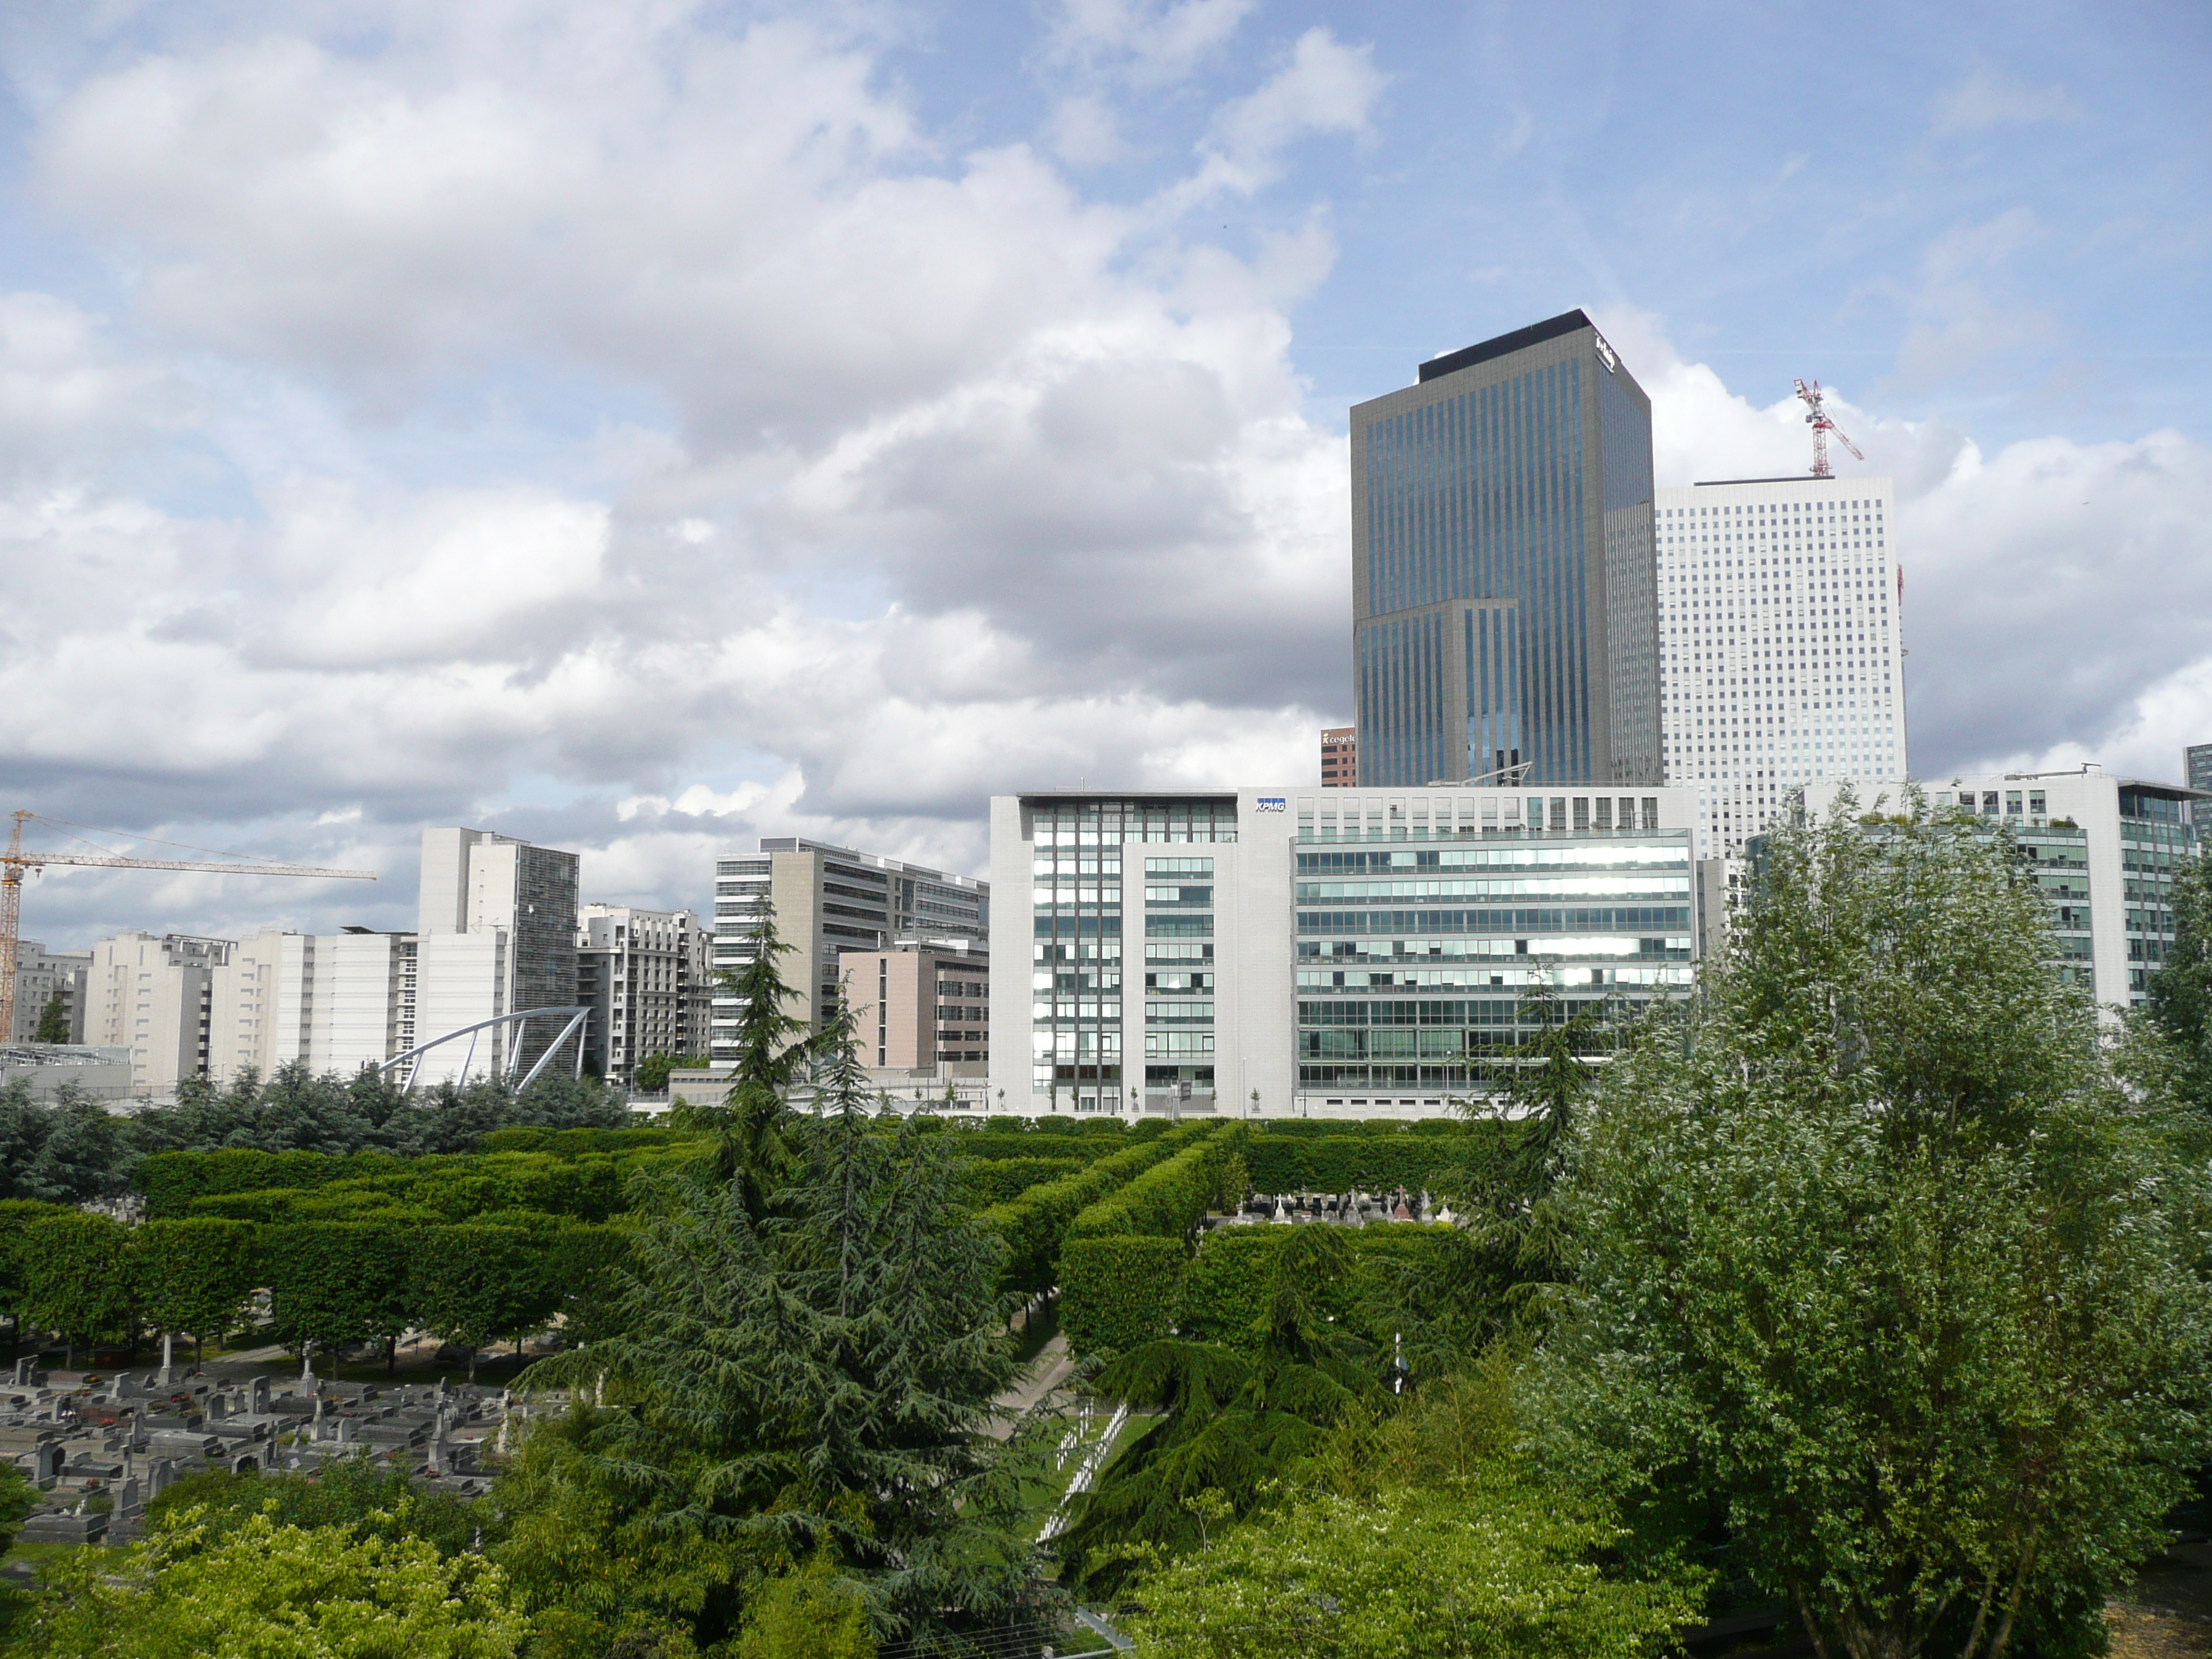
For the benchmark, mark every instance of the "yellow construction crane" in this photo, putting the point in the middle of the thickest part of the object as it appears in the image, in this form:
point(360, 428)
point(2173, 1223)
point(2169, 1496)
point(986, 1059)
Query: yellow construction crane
point(16, 859)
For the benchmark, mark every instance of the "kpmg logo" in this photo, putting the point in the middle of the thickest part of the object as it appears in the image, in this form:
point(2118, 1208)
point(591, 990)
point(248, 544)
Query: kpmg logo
point(1271, 803)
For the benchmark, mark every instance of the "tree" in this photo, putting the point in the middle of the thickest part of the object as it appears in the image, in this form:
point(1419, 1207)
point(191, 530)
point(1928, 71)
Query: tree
point(334, 1282)
point(474, 1282)
point(264, 1588)
point(1479, 1569)
point(651, 1074)
point(812, 1382)
point(773, 1051)
point(1872, 1253)
point(53, 1021)
point(1224, 1424)
point(197, 1275)
point(2177, 1010)
point(79, 1278)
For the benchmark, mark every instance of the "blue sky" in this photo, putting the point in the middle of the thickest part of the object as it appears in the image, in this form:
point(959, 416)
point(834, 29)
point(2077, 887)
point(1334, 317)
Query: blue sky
point(646, 426)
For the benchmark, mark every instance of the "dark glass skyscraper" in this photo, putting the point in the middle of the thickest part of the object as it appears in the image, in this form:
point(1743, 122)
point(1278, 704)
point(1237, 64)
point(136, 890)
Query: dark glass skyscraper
point(1504, 581)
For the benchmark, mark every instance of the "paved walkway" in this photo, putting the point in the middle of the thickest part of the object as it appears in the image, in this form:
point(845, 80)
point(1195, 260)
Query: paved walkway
point(1046, 1373)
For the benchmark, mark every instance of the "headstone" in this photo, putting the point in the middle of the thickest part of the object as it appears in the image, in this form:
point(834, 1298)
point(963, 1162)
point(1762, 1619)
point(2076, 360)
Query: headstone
point(126, 1495)
point(259, 1398)
point(218, 1408)
point(345, 1430)
point(160, 1477)
point(46, 1463)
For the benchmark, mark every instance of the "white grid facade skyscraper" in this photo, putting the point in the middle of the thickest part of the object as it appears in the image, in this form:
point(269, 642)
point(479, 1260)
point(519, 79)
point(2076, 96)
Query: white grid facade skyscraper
point(1781, 647)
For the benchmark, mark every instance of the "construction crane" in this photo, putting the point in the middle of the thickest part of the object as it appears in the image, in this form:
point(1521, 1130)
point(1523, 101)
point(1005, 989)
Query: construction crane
point(1822, 426)
point(17, 859)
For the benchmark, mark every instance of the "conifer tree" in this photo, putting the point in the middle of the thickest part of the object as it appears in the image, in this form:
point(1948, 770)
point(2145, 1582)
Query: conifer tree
point(53, 1021)
point(773, 1047)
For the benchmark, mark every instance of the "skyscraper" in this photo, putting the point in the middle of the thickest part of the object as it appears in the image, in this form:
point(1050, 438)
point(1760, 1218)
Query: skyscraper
point(2197, 765)
point(1504, 589)
point(1782, 641)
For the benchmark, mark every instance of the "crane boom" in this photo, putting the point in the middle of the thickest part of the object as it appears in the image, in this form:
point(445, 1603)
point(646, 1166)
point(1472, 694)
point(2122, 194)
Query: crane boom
point(18, 859)
point(1815, 401)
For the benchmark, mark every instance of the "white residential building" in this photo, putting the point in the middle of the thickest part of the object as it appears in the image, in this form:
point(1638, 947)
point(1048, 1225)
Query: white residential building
point(646, 976)
point(1345, 953)
point(496, 934)
point(149, 993)
point(1782, 648)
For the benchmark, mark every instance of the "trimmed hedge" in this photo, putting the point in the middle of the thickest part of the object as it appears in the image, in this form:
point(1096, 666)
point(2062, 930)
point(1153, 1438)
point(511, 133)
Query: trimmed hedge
point(1129, 1290)
point(1035, 1224)
point(1117, 1292)
point(999, 1179)
point(1167, 1199)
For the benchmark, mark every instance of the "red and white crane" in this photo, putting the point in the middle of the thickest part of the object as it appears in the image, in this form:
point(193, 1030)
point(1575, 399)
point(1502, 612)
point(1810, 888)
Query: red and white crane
point(1822, 426)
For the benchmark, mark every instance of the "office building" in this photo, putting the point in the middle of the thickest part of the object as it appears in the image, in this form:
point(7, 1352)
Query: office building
point(2197, 765)
point(1503, 585)
point(829, 899)
point(646, 976)
point(1340, 758)
point(2104, 850)
point(1316, 952)
point(495, 934)
point(924, 1007)
point(1782, 644)
point(40, 977)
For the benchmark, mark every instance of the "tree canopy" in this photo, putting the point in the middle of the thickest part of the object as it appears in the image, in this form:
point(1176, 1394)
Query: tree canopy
point(1870, 1253)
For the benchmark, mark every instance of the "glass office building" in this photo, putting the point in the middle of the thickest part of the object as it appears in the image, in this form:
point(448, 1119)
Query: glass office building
point(1273, 953)
point(1506, 621)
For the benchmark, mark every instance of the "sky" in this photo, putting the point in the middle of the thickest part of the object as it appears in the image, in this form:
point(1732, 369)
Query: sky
point(646, 425)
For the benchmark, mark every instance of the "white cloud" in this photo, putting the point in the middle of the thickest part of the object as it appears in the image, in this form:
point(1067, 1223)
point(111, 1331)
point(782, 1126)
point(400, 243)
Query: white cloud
point(1149, 42)
point(1985, 100)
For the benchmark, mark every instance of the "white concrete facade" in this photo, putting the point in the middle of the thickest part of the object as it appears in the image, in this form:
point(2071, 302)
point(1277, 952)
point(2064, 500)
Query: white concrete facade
point(149, 993)
point(1164, 945)
point(646, 975)
point(1781, 644)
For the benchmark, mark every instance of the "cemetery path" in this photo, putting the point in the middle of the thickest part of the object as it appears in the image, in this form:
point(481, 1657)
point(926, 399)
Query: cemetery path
point(1046, 1372)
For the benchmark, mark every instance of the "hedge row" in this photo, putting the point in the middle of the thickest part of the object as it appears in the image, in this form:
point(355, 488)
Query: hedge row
point(1035, 1224)
point(999, 1179)
point(1170, 1199)
point(587, 1185)
point(1325, 1127)
point(1118, 1291)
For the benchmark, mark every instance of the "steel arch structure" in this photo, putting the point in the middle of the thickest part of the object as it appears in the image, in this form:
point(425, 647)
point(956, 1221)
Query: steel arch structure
point(576, 1017)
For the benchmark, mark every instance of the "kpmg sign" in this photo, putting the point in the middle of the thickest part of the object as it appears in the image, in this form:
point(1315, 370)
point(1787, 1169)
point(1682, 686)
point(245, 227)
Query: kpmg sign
point(1271, 803)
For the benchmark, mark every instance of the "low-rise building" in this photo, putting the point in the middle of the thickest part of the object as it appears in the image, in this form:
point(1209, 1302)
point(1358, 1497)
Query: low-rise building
point(1294, 951)
point(923, 1006)
point(827, 900)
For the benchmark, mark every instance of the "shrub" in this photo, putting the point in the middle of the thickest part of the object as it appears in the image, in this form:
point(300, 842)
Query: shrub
point(1034, 1225)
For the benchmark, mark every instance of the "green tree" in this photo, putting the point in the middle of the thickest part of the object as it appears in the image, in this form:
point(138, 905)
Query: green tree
point(286, 1592)
point(815, 1382)
point(2177, 1010)
point(334, 1282)
point(814, 1613)
point(79, 1278)
point(53, 1021)
point(651, 1074)
point(352, 1495)
point(1224, 1423)
point(774, 1049)
point(474, 1282)
point(197, 1275)
point(1873, 1254)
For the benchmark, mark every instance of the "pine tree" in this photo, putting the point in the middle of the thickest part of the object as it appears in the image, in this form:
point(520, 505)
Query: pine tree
point(53, 1021)
point(773, 1047)
point(807, 1385)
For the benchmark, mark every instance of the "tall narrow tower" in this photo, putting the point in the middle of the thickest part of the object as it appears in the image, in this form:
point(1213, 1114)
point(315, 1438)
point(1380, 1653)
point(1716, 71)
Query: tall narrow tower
point(1505, 591)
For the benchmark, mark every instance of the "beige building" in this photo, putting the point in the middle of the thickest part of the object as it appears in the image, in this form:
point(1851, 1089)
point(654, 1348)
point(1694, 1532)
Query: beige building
point(829, 900)
point(646, 975)
point(923, 1006)
point(40, 975)
point(151, 994)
